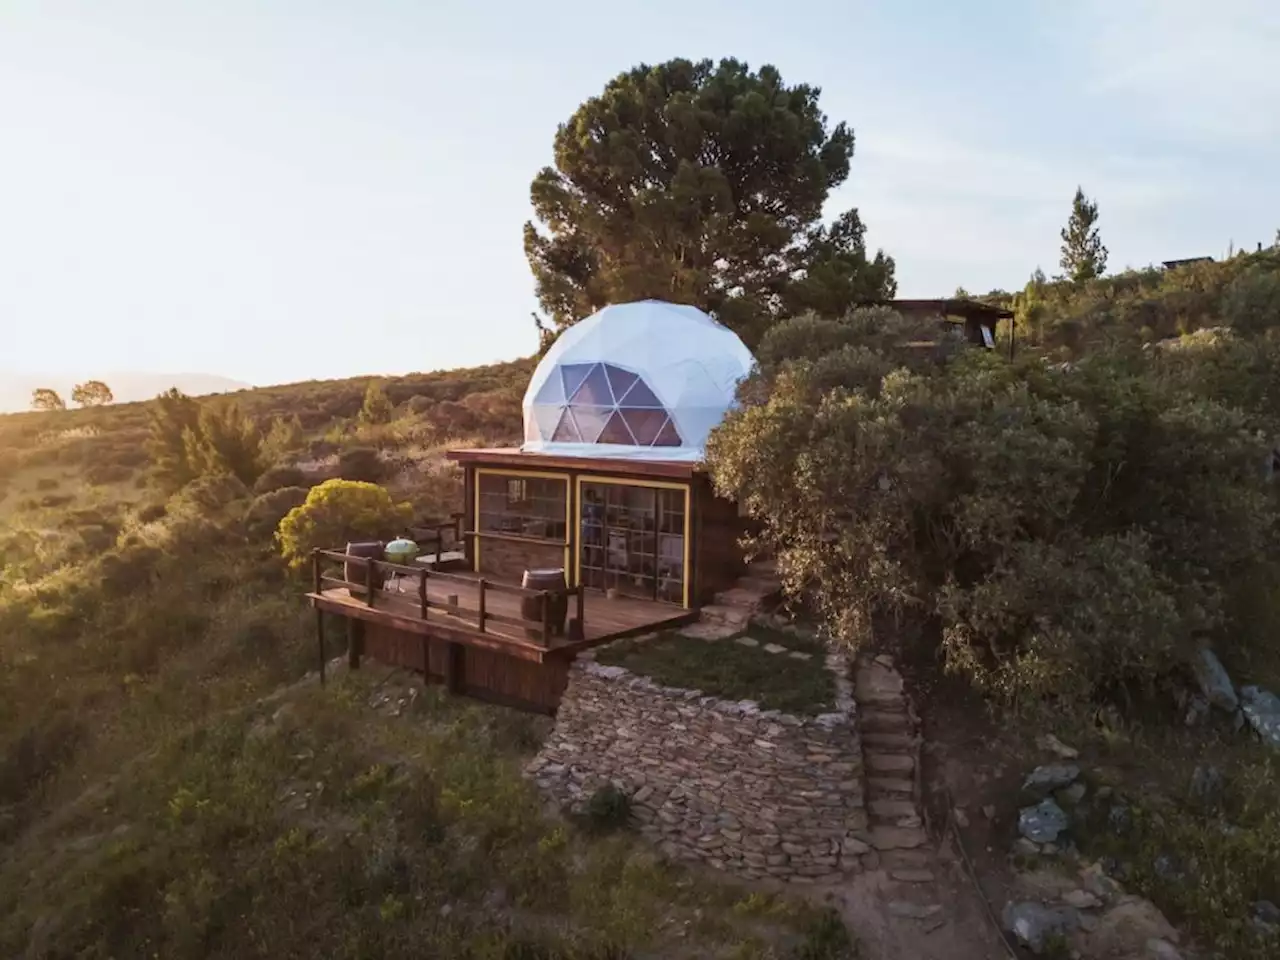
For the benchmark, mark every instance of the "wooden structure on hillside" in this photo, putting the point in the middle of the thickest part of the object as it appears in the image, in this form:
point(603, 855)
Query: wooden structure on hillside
point(643, 544)
point(976, 321)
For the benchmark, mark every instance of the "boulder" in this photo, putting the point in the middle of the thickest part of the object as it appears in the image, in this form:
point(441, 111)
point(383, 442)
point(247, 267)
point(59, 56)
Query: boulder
point(1043, 822)
point(1214, 682)
point(1055, 746)
point(1265, 917)
point(1042, 781)
point(1262, 709)
point(1037, 926)
point(1126, 928)
point(1157, 949)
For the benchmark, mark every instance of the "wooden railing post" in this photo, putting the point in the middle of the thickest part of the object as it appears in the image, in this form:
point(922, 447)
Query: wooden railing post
point(546, 618)
point(422, 594)
point(368, 581)
point(482, 604)
point(315, 567)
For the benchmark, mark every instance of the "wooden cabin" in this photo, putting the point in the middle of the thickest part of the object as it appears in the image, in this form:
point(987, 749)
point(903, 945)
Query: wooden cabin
point(606, 493)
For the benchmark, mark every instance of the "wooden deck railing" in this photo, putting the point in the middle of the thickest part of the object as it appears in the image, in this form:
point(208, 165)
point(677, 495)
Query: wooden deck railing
point(538, 631)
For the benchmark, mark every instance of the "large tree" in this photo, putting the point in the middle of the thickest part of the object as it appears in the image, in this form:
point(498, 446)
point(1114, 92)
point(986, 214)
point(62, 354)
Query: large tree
point(1083, 255)
point(700, 183)
point(45, 398)
point(91, 393)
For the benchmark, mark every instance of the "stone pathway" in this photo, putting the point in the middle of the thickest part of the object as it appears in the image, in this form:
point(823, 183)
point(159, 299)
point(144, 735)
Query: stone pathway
point(890, 750)
point(752, 593)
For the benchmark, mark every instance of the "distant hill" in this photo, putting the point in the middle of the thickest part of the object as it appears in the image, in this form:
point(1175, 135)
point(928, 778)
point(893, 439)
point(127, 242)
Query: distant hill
point(15, 388)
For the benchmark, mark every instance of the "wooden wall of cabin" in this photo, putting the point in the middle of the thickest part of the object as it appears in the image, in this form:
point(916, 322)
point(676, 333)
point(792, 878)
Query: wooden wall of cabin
point(717, 556)
point(480, 674)
point(507, 560)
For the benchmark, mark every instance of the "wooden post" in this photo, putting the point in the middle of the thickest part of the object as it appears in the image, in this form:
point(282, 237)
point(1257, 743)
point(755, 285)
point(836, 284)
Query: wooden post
point(422, 594)
point(455, 667)
point(368, 581)
point(582, 625)
point(481, 625)
point(546, 618)
point(355, 642)
point(320, 640)
point(315, 568)
point(439, 546)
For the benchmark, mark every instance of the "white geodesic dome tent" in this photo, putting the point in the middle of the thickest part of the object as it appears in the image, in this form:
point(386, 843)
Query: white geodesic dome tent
point(639, 381)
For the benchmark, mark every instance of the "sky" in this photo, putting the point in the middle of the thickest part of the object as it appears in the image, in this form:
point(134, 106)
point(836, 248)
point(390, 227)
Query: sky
point(278, 190)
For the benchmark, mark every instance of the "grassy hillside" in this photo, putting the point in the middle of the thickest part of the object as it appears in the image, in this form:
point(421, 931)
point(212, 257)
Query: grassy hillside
point(153, 803)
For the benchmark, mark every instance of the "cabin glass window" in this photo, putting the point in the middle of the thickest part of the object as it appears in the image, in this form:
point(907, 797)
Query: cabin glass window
point(632, 540)
point(523, 506)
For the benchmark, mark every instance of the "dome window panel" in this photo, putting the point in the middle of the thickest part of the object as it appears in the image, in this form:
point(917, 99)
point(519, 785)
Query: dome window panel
point(566, 430)
point(640, 396)
point(620, 380)
point(616, 431)
point(544, 420)
point(572, 375)
point(668, 436)
point(591, 420)
point(645, 423)
point(594, 390)
point(552, 391)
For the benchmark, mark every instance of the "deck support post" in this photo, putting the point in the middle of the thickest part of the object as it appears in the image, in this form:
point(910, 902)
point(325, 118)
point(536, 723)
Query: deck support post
point(481, 623)
point(320, 641)
point(355, 642)
point(455, 667)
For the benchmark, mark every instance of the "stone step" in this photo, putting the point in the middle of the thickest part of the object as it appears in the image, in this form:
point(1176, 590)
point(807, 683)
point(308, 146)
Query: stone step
point(912, 875)
point(881, 720)
point(897, 838)
point(890, 763)
point(879, 699)
point(733, 616)
point(762, 567)
point(889, 786)
point(763, 584)
point(889, 742)
point(917, 859)
point(892, 808)
point(739, 597)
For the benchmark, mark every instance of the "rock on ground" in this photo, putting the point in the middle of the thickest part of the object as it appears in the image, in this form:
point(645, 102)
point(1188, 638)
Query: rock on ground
point(1057, 747)
point(1214, 682)
point(1036, 925)
point(1042, 781)
point(1043, 822)
point(1262, 709)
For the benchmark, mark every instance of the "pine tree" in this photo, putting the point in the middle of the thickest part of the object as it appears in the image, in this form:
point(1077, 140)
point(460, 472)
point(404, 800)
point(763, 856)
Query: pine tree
point(1083, 255)
point(377, 406)
point(172, 416)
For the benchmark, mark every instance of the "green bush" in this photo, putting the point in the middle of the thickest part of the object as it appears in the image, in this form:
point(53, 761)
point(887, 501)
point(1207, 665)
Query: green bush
point(284, 475)
point(338, 511)
point(1252, 301)
point(361, 464)
point(1073, 532)
point(267, 510)
point(608, 808)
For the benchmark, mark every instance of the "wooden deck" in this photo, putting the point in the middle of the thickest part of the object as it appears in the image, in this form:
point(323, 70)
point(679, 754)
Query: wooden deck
point(399, 606)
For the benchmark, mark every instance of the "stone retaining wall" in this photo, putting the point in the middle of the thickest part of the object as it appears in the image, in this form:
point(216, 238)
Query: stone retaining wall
point(758, 793)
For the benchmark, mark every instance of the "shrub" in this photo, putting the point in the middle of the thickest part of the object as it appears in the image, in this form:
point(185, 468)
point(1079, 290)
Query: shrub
point(102, 474)
point(47, 483)
point(361, 464)
point(1073, 533)
point(419, 404)
point(284, 475)
point(338, 511)
point(608, 808)
point(1251, 303)
point(268, 509)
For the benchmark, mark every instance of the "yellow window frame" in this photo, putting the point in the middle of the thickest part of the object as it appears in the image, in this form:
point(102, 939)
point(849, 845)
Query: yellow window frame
point(521, 475)
point(624, 482)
